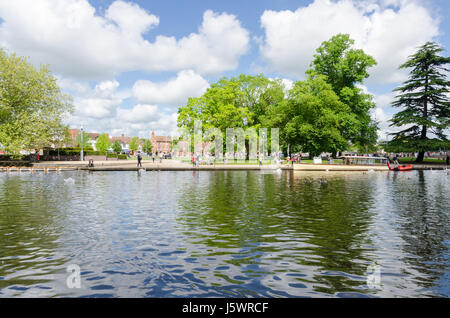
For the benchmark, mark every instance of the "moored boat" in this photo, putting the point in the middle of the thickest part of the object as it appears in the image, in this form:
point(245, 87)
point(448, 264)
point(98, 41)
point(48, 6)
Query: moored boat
point(399, 167)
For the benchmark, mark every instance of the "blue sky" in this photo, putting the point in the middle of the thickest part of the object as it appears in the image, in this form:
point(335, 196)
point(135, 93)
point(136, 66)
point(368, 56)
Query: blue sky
point(130, 64)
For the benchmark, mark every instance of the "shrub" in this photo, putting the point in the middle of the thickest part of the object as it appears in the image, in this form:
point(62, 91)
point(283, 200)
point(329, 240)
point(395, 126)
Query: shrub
point(122, 157)
point(73, 151)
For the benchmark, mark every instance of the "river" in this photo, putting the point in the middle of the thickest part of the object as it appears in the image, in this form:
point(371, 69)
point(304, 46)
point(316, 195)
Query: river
point(225, 234)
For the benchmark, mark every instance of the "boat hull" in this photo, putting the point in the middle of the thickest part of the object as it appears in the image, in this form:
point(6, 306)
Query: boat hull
point(401, 168)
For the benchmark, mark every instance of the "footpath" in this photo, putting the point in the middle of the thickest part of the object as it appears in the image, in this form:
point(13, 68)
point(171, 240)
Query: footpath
point(174, 165)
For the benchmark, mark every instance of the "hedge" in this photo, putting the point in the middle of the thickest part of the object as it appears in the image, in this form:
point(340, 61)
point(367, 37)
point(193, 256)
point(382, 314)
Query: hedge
point(15, 157)
point(74, 152)
point(122, 157)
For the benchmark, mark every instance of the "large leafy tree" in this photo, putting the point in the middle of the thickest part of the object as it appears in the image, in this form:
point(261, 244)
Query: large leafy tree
point(103, 143)
point(424, 100)
point(238, 102)
point(85, 141)
point(116, 146)
point(230, 103)
point(134, 143)
point(32, 106)
point(315, 120)
point(346, 68)
point(147, 147)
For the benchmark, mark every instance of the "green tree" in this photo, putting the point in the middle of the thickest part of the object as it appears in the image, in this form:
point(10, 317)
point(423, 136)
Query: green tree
point(86, 140)
point(103, 143)
point(32, 106)
point(238, 102)
point(345, 68)
point(315, 120)
point(60, 137)
point(147, 147)
point(117, 147)
point(424, 100)
point(134, 144)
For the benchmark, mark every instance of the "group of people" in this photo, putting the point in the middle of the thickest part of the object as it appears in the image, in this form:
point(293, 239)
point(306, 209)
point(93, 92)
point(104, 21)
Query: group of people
point(296, 158)
point(195, 160)
point(139, 158)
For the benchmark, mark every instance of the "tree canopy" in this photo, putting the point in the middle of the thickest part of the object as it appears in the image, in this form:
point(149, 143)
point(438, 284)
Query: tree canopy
point(32, 106)
point(134, 143)
point(116, 146)
point(232, 103)
point(345, 68)
point(147, 147)
point(315, 120)
point(85, 142)
point(103, 143)
point(424, 102)
point(327, 112)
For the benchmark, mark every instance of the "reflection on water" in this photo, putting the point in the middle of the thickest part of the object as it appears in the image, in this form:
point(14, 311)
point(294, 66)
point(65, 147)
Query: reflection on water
point(225, 234)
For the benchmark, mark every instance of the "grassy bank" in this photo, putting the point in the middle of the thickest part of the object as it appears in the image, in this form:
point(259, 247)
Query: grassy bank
point(425, 161)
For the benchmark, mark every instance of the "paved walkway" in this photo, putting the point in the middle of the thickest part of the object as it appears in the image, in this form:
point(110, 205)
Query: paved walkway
point(174, 165)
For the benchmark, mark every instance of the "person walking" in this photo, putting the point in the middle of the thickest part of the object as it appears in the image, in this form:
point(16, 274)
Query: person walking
point(396, 160)
point(153, 157)
point(139, 159)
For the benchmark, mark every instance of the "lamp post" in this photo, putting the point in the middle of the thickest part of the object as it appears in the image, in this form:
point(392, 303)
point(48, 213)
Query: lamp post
point(81, 153)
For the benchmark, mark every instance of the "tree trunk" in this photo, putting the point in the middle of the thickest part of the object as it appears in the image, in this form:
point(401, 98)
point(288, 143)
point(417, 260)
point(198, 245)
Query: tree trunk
point(423, 135)
point(420, 157)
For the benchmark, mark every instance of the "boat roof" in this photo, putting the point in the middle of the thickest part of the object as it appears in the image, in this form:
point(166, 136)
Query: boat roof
point(362, 157)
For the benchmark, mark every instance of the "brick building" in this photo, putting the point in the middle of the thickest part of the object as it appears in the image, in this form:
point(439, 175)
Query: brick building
point(161, 144)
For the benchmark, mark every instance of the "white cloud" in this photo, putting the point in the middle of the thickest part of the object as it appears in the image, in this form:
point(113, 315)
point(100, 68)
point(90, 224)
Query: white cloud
point(100, 103)
point(131, 18)
point(390, 31)
point(174, 92)
point(383, 119)
point(384, 100)
point(101, 109)
point(162, 123)
point(139, 114)
point(78, 42)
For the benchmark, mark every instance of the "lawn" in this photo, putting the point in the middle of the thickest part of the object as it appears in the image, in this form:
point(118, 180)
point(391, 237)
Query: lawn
point(425, 161)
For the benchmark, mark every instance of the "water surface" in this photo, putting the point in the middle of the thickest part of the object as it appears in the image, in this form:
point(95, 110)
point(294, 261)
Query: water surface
point(225, 234)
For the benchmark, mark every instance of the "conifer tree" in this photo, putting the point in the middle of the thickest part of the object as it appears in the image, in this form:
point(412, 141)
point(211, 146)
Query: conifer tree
point(424, 100)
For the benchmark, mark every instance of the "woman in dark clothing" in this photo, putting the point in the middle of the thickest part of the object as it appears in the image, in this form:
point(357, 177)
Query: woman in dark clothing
point(139, 158)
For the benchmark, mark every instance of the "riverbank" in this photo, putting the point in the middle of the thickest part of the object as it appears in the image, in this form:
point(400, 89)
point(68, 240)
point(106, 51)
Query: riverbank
point(174, 165)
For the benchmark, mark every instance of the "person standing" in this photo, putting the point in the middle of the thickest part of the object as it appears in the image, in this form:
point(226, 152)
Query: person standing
point(153, 157)
point(395, 161)
point(139, 158)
